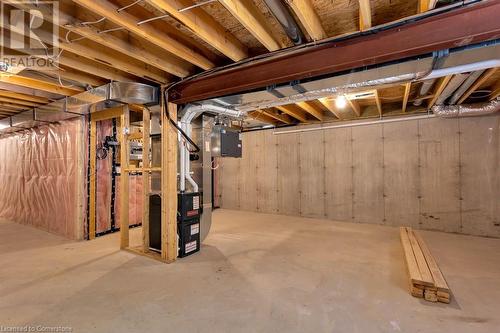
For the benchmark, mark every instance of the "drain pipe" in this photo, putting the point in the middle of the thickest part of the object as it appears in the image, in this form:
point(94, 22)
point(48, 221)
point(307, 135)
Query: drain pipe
point(455, 111)
point(191, 112)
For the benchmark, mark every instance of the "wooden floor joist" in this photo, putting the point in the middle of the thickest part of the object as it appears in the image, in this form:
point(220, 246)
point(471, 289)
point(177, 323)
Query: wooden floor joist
point(425, 278)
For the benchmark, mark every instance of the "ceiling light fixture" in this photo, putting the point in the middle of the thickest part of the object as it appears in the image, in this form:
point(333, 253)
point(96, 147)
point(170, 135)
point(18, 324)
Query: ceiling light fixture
point(340, 102)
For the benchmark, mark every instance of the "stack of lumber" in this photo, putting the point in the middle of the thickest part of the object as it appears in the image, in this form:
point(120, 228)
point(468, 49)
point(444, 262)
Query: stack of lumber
point(426, 279)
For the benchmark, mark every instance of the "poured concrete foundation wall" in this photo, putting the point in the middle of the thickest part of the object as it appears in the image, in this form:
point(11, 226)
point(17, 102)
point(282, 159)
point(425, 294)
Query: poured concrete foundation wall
point(437, 174)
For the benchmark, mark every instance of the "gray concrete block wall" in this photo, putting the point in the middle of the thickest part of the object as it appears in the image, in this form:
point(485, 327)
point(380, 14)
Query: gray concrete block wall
point(436, 174)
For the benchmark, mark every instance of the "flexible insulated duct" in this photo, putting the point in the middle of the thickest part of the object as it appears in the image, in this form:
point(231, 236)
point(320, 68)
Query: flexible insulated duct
point(455, 111)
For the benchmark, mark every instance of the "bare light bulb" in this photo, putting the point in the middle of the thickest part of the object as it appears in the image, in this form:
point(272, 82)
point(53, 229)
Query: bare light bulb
point(340, 102)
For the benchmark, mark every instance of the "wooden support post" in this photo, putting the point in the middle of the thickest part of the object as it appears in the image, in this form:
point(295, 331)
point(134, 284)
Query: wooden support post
point(169, 184)
point(124, 177)
point(146, 120)
point(93, 178)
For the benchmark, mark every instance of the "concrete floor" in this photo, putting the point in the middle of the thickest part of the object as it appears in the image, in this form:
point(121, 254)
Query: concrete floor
point(256, 273)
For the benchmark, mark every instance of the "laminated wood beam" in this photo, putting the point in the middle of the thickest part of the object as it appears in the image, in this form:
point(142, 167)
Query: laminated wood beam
point(307, 15)
point(470, 24)
point(169, 185)
point(247, 13)
point(365, 15)
point(203, 25)
point(129, 22)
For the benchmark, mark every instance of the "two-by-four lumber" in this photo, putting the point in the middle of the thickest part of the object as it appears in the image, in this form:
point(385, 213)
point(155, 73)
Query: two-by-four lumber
point(146, 123)
point(420, 259)
point(124, 178)
point(436, 273)
point(411, 263)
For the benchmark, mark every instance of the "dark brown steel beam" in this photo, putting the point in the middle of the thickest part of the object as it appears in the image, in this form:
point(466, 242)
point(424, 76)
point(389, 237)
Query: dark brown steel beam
point(459, 27)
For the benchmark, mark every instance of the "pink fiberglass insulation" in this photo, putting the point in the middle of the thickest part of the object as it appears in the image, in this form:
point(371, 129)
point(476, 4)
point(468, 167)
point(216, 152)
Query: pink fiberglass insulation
point(103, 179)
point(135, 200)
point(38, 178)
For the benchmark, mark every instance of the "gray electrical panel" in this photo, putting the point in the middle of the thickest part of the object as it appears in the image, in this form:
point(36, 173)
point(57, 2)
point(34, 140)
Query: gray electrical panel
point(226, 142)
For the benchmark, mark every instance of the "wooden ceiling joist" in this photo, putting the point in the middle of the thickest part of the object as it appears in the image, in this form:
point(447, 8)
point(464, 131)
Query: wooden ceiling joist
point(24, 97)
point(203, 25)
point(310, 108)
point(18, 102)
point(485, 76)
point(406, 96)
point(329, 104)
point(113, 59)
point(307, 15)
point(293, 111)
point(356, 108)
point(129, 22)
point(260, 115)
point(425, 5)
point(378, 102)
point(65, 73)
point(365, 15)
point(247, 13)
point(40, 85)
point(495, 91)
point(283, 117)
point(442, 83)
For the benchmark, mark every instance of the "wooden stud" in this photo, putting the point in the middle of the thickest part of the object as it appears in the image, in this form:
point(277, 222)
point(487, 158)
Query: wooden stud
point(443, 82)
point(293, 111)
point(169, 185)
point(406, 95)
point(307, 15)
point(146, 121)
point(411, 263)
point(206, 27)
point(124, 177)
point(311, 109)
point(485, 76)
point(437, 276)
point(93, 177)
point(421, 262)
point(365, 15)
point(247, 13)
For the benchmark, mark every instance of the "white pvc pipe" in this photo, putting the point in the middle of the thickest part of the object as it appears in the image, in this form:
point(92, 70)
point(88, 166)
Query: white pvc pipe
point(192, 111)
point(364, 123)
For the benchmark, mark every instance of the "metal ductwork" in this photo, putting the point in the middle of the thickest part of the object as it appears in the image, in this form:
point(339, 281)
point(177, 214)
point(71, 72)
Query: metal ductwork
point(466, 85)
point(451, 87)
point(424, 90)
point(282, 13)
point(471, 110)
point(81, 104)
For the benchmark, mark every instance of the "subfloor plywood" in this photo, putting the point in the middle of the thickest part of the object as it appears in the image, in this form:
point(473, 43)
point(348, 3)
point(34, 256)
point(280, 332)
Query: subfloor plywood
point(255, 273)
